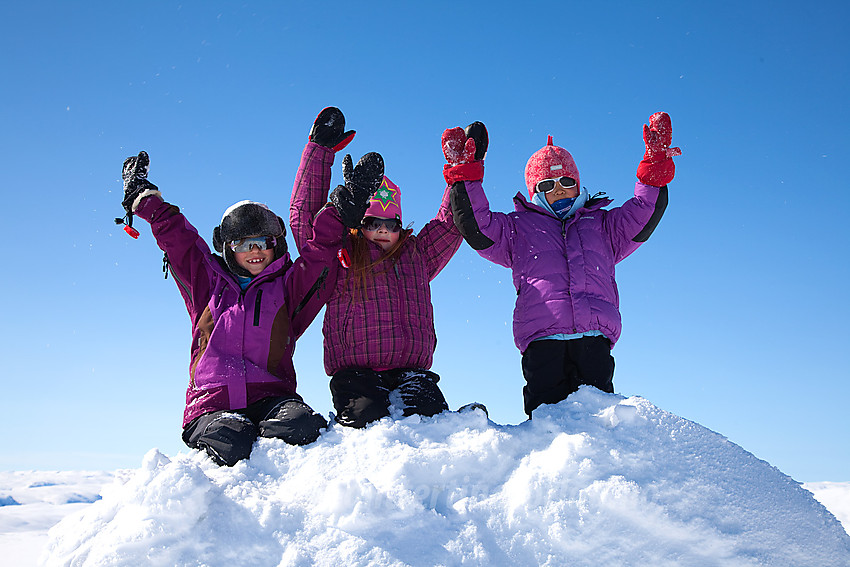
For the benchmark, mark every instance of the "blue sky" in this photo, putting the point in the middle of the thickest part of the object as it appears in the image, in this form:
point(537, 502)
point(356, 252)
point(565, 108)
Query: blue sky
point(734, 312)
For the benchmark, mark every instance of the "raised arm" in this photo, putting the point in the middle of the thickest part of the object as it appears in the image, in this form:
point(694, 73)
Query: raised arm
point(464, 151)
point(312, 277)
point(488, 233)
point(310, 191)
point(439, 239)
point(313, 179)
point(188, 254)
point(632, 224)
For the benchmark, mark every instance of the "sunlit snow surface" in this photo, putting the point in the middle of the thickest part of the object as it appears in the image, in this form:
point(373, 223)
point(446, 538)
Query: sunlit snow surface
point(598, 479)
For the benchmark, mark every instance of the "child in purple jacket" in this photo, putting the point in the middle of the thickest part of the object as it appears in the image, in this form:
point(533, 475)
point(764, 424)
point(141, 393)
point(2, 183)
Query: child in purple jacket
point(379, 335)
point(562, 246)
point(247, 309)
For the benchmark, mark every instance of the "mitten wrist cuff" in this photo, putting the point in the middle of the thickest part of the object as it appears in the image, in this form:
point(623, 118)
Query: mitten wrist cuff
point(463, 172)
point(146, 193)
point(344, 141)
point(656, 173)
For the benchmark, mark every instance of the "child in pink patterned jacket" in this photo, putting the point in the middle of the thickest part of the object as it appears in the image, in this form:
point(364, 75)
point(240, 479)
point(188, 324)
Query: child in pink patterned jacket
point(379, 335)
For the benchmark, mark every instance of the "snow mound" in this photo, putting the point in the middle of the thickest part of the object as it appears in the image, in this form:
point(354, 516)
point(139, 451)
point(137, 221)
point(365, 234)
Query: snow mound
point(598, 479)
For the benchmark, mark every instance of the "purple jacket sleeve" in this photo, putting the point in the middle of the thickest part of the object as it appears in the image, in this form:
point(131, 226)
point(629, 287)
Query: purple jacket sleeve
point(629, 225)
point(313, 275)
point(190, 257)
point(490, 233)
point(310, 191)
point(439, 240)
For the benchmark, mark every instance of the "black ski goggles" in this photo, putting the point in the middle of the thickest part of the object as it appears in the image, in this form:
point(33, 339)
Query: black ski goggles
point(546, 185)
point(375, 223)
point(261, 242)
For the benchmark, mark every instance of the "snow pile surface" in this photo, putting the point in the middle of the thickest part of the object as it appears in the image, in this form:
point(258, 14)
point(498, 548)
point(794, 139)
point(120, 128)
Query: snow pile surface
point(598, 479)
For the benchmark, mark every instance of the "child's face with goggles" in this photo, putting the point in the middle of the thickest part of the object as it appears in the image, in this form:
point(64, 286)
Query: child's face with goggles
point(254, 253)
point(557, 188)
point(383, 232)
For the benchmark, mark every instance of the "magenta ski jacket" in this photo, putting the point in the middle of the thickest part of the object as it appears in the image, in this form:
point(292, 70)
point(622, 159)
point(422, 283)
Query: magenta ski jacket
point(242, 341)
point(563, 270)
point(389, 322)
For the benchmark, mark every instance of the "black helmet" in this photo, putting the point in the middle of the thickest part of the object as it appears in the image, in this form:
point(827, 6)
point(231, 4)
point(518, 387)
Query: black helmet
point(248, 218)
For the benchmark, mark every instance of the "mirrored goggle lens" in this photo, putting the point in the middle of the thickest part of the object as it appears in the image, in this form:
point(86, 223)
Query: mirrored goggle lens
point(245, 245)
point(548, 184)
point(374, 223)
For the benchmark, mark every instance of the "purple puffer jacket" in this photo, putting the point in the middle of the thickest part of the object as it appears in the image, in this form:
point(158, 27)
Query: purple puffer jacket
point(242, 342)
point(564, 270)
point(389, 323)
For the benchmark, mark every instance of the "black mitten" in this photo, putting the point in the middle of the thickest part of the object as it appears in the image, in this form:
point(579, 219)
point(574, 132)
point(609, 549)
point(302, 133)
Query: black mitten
point(367, 174)
point(361, 181)
point(135, 176)
point(350, 203)
point(478, 132)
point(329, 129)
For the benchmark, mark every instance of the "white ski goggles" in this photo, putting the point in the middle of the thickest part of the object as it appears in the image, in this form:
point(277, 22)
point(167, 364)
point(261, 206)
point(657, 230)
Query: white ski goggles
point(546, 185)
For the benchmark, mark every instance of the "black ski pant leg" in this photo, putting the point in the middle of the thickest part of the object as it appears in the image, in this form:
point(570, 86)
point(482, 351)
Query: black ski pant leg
point(419, 391)
point(359, 396)
point(226, 436)
point(546, 381)
point(554, 369)
point(287, 418)
point(591, 357)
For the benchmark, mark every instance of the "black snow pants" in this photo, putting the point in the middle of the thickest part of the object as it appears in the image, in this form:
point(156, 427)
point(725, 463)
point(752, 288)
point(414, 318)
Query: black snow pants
point(228, 435)
point(554, 369)
point(362, 395)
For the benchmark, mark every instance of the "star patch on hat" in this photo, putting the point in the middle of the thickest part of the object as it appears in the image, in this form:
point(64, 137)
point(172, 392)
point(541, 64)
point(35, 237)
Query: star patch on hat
point(386, 202)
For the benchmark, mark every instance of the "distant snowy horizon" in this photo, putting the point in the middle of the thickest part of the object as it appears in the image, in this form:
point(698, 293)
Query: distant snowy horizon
point(597, 479)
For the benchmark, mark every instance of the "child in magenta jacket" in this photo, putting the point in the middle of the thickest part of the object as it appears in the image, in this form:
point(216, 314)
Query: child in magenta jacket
point(247, 306)
point(562, 246)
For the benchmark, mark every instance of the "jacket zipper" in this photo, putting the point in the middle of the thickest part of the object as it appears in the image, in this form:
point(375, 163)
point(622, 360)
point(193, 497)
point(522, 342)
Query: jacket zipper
point(257, 303)
point(167, 268)
point(319, 281)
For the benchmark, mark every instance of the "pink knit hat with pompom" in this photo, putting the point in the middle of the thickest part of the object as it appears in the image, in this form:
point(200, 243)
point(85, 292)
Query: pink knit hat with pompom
point(386, 202)
point(549, 162)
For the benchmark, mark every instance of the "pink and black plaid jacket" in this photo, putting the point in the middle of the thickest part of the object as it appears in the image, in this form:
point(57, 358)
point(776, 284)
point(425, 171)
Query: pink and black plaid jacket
point(389, 323)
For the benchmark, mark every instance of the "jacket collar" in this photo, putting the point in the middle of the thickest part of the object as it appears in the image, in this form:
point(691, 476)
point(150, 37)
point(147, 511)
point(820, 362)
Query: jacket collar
point(273, 270)
point(522, 204)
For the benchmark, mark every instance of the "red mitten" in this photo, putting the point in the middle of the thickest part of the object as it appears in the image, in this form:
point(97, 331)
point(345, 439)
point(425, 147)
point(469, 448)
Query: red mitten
point(457, 147)
point(657, 167)
point(460, 155)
